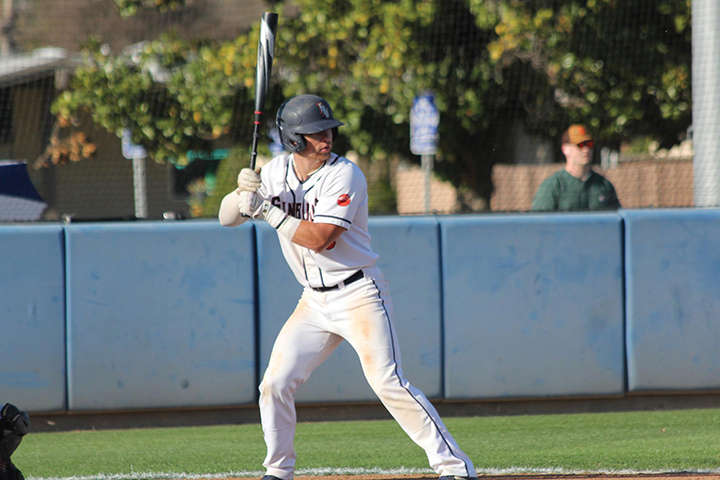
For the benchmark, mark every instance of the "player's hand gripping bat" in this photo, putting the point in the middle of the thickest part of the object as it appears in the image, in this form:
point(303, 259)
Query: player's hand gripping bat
point(266, 53)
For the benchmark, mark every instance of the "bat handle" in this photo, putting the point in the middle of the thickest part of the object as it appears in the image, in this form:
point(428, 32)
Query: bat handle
point(256, 138)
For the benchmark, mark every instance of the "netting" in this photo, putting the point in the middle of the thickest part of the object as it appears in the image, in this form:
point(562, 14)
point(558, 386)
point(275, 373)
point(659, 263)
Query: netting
point(127, 109)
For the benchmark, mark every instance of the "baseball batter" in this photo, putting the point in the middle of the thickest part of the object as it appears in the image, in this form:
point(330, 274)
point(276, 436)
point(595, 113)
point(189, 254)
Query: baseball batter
point(318, 203)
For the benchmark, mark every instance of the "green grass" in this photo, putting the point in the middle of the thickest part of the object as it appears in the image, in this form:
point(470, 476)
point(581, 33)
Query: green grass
point(683, 440)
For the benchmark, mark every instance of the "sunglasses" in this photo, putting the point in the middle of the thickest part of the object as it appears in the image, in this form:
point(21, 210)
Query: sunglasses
point(586, 143)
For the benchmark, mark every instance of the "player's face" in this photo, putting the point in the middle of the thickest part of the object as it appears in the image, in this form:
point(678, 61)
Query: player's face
point(319, 145)
point(580, 154)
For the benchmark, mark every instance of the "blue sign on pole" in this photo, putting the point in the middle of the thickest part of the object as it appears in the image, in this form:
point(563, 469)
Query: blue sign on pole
point(424, 121)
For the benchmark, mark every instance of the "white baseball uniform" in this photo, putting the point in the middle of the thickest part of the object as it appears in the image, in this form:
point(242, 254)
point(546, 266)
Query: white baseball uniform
point(332, 310)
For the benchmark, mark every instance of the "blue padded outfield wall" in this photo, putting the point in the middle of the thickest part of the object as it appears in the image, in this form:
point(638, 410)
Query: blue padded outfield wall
point(533, 306)
point(160, 315)
point(673, 299)
point(32, 317)
point(137, 315)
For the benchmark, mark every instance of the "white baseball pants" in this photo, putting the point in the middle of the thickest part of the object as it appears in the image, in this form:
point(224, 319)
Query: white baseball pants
point(360, 313)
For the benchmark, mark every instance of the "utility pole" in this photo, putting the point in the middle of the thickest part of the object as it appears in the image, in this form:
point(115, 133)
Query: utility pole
point(706, 101)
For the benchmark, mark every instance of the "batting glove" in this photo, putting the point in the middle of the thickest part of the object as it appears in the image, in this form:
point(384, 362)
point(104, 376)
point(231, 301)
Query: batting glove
point(249, 180)
point(250, 204)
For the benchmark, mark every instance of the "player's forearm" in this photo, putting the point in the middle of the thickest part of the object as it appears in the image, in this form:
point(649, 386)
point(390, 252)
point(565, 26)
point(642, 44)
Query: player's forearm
point(229, 214)
point(316, 236)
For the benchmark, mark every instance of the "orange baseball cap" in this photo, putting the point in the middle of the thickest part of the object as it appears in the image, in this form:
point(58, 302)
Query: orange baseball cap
point(576, 134)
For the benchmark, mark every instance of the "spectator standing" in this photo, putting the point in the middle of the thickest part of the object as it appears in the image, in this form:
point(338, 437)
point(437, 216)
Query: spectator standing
point(577, 186)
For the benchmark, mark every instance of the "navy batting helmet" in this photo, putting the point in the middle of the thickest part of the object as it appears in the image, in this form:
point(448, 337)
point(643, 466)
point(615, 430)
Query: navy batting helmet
point(303, 115)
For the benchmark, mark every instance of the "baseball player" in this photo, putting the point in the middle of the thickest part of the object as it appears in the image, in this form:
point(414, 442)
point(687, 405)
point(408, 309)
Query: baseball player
point(317, 201)
point(14, 424)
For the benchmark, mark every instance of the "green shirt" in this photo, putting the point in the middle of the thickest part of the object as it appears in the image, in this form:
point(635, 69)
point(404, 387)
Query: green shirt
point(562, 191)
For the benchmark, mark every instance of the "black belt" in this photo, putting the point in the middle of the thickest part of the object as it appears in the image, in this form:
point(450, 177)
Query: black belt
point(351, 279)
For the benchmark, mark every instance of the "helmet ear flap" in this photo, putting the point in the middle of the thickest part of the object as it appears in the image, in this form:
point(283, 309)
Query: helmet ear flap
point(295, 143)
point(292, 141)
point(301, 144)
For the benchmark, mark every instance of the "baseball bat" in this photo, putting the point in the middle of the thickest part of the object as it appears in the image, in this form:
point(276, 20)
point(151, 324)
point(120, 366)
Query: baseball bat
point(266, 53)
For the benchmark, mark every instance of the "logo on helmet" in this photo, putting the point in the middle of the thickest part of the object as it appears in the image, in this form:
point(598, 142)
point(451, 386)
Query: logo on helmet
point(323, 110)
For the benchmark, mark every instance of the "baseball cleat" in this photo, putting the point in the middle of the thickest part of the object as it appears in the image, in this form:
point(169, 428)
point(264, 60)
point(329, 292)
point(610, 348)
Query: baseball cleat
point(457, 477)
point(270, 477)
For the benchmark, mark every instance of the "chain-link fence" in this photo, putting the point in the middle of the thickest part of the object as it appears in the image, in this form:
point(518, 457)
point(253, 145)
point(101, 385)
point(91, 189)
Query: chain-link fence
point(126, 109)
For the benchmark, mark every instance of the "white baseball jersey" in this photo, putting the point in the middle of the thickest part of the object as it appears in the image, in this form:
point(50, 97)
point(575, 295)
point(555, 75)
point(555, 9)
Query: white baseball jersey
point(336, 193)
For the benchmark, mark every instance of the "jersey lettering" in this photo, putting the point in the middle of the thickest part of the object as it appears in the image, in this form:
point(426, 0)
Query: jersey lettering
point(303, 211)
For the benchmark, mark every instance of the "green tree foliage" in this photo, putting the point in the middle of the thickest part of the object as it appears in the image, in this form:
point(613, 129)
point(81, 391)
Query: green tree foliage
point(128, 8)
point(620, 66)
point(172, 95)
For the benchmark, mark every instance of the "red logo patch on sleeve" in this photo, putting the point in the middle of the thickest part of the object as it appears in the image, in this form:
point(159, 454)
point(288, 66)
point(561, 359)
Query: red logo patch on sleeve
point(344, 200)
